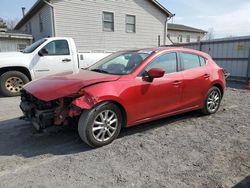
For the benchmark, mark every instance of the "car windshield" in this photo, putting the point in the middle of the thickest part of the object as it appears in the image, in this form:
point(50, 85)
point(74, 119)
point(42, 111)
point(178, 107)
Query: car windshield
point(120, 63)
point(33, 46)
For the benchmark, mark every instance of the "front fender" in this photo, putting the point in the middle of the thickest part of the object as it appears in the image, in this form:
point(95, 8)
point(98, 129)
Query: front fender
point(85, 102)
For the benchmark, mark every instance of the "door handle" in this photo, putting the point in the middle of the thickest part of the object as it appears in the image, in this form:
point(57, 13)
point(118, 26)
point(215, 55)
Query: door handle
point(177, 83)
point(66, 60)
point(206, 76)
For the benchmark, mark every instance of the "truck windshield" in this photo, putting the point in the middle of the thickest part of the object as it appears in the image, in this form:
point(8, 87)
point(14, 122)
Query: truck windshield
point(120, 63)
point(33, 46)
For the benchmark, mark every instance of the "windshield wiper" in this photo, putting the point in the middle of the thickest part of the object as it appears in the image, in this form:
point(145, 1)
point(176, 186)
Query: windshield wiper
point(101, 71)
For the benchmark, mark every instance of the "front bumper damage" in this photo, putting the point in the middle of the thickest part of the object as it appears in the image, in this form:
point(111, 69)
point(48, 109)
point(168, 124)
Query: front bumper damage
point(40, 119)
point(45, 114)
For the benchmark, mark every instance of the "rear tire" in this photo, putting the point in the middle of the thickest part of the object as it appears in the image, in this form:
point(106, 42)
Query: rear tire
point(12, 82)
point(101, 125)
point(212, 101)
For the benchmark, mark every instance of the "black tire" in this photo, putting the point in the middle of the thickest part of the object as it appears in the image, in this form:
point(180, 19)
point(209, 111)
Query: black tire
point(11, 91)
point(208, 108)
point(86, 124)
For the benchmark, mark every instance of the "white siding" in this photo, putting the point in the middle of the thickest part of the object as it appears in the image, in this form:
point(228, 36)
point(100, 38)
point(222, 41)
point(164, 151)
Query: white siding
point(11, 45)
point(174, 35)
point(46, 16)
point(82, 20)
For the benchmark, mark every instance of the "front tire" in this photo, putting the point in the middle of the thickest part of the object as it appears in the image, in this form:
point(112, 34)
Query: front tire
point(101, 125)
point(212, 102)
point(12, 82)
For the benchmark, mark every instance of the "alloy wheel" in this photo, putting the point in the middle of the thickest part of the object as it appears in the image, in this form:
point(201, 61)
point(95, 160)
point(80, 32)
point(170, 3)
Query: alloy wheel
point(105, 125)
point(213, 101)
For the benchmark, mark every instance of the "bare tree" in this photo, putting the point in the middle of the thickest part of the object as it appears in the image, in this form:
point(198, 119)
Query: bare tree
point(2, 23)
point(11, 23)
point(210, 34)
point(3, 27)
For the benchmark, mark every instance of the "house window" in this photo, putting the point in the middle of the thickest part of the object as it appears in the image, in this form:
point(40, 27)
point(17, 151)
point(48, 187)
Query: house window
point(21, 47)
point(108, 21)
point(180, 38)
point(130, 24)
point(188, 38)
point(198, 39)
point(40, 23)
point(26, 28)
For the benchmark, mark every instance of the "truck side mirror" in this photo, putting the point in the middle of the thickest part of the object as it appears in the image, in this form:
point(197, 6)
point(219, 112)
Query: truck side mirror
point(43, 52)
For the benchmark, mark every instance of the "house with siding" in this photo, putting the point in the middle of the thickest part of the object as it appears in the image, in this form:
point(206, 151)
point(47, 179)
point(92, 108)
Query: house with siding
point(179, 34)
point(99, 26)
point(12, 40)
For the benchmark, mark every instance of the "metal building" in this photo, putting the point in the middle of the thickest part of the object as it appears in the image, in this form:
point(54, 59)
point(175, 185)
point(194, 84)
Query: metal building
point(233, 54)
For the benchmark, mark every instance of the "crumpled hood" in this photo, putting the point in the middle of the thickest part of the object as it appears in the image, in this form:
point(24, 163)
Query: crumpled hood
point(64, 84)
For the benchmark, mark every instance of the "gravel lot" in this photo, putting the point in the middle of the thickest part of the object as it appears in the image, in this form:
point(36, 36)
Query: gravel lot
point(188, 150)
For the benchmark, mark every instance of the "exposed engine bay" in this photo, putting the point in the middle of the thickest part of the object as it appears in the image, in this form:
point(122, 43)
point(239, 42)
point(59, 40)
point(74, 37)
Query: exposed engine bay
point(44, 114)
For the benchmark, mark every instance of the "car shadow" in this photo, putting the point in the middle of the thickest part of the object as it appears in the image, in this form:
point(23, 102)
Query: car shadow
point(20, 138)
point(245, 183)
point(142, 128)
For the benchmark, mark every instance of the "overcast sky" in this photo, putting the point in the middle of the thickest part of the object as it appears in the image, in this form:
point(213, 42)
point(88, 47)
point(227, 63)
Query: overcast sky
point(226, 17)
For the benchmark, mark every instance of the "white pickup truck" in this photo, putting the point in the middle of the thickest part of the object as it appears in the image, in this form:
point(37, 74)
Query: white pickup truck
point(45, 57)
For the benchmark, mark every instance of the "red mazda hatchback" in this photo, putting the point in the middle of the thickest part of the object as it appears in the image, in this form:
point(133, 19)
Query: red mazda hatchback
point(125, 89)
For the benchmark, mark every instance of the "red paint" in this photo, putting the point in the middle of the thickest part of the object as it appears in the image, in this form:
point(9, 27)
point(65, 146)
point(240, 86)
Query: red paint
point(156, 73)
point(142, 100)
point(64, 84)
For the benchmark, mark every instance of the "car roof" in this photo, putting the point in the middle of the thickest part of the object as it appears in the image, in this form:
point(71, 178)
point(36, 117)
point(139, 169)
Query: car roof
point(166, 49)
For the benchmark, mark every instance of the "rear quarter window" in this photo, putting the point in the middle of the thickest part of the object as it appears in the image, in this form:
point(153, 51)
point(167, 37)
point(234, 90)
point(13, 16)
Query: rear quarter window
point(203, 61)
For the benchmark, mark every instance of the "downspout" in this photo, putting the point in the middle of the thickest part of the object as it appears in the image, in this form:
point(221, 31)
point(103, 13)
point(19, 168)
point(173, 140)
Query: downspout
point(52, 17)
point(165, 28)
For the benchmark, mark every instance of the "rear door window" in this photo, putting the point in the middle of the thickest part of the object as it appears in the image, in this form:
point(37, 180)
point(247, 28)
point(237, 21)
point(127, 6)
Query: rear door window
point(190, 61)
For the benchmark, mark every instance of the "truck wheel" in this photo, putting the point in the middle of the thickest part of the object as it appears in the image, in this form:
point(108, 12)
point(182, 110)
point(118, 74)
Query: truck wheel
point(12, 82)
point(101, 125)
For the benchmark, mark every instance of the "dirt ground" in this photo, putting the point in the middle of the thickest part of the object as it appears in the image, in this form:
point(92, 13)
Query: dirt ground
point(188, 150)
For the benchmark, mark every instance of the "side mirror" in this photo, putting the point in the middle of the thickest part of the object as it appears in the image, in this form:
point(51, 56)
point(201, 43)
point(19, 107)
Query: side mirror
point(153, 73)
point(43, 52)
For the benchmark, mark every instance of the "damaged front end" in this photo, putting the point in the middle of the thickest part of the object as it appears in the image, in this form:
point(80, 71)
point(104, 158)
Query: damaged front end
point(56, 112)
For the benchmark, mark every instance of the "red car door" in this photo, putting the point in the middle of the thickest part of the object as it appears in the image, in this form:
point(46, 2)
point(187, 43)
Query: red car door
point(159, 97)
point(195, 80)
